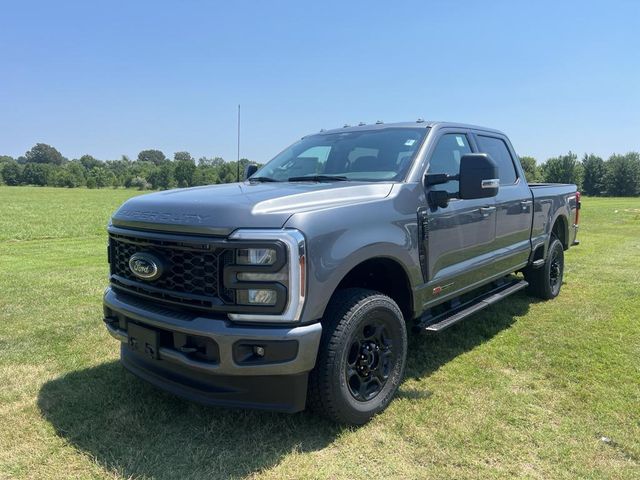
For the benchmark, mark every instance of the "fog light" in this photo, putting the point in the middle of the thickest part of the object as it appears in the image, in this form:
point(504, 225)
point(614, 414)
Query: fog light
point(256, 256)
point(257, 297)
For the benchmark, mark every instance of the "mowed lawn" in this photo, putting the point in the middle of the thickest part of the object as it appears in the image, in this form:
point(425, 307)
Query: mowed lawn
point(524, 389)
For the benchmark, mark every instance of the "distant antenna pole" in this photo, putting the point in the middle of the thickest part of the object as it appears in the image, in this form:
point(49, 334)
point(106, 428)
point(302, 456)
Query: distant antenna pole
point(238, 164)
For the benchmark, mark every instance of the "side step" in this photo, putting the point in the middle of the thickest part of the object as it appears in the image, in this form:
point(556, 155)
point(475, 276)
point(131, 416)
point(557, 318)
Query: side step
point(437, 323)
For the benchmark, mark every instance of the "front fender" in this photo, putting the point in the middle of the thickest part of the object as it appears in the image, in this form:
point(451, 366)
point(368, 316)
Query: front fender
point(339, 239)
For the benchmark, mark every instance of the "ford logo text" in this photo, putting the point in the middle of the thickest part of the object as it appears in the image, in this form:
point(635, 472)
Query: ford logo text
point(145, 266)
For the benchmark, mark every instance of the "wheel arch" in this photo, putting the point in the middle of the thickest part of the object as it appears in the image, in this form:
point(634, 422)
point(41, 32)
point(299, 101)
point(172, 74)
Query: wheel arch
point(560, 228)
point(384, 274)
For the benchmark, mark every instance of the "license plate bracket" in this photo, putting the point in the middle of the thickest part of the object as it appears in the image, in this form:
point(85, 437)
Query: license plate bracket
point(143, 340)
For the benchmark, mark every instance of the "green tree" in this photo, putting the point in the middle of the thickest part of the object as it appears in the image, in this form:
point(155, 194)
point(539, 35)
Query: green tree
point(139, 183)
point(138, 169)
point(100, 177)
point(89, 162)
point(211, 162)
point(594, 172)
point(70, 176)
point(184, 171)
point(530, 168)
point(227, 172)
point(162, 177)
point(563, 169)
point(4, 160)
point(11, 173)
point(623, 175)
point(77, 174)
point(154, 156)
point(180, 156)
point(43, 153)
point(120, 169)
point(40, 174)
point(206, 175)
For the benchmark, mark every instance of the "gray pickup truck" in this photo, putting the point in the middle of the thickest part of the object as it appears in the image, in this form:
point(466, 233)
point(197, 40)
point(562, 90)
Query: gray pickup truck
point(298, 285)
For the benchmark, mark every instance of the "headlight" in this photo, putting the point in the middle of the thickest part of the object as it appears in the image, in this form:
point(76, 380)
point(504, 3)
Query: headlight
point(268, 279)
point(255, 256)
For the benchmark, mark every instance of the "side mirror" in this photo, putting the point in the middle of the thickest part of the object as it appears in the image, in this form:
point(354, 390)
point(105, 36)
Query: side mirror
point(250, 170)
point(478, 176)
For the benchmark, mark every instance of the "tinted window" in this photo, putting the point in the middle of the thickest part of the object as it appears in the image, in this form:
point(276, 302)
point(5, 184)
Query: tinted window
point(446, 157)
point(500, 154)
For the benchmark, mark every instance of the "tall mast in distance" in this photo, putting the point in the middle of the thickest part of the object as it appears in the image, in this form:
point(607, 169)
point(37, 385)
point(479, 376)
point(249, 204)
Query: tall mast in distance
point(238, 159)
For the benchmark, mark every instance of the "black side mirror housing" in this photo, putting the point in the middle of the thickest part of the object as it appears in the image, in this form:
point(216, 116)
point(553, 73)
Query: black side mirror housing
point(250, 170)
point(478, 176)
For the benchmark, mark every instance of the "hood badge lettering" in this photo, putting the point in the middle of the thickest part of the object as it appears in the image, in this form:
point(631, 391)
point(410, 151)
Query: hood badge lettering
point(148, 215)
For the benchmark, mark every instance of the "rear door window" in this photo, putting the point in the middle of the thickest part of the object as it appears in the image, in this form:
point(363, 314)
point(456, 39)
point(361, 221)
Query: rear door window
point(498, 150)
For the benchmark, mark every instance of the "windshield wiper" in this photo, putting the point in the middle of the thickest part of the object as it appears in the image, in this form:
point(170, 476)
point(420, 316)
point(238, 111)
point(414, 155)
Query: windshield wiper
point(262, 179)
point(319, 178)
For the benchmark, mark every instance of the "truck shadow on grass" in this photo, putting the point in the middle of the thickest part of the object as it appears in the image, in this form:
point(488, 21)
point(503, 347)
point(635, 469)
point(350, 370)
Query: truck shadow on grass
point(427, 353)
point(133, 429)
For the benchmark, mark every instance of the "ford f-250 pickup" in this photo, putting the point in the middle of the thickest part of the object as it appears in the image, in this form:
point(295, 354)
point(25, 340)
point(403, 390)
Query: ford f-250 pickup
point(298, 285)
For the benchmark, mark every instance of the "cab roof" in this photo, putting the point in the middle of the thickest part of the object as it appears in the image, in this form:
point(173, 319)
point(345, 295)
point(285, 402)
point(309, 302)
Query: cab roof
point(416, 124)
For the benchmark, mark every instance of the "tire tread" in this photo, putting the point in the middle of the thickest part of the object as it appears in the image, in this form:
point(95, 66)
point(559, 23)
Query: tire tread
point(343, 306)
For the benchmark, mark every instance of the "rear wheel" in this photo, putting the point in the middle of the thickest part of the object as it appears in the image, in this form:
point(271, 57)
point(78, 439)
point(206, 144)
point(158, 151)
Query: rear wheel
point(545, 282)
point(361, 358)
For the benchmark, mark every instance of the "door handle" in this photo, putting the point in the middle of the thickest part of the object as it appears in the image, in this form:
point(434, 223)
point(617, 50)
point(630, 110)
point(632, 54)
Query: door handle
point(525, 205)
point(486, 211)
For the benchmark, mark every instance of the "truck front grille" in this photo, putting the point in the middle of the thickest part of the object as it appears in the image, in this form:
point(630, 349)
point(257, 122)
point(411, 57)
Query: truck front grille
point(192, 273)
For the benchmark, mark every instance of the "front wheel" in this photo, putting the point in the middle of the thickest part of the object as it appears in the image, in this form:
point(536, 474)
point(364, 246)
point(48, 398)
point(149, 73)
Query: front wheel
point(545, 282)
point(361, 358)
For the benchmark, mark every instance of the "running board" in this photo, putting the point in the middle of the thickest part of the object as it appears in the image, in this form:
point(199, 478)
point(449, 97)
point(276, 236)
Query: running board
point(437, 323)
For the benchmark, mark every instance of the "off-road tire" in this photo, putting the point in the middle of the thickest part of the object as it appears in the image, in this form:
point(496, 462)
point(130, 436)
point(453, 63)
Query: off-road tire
point(351, 315)
point(545, 282)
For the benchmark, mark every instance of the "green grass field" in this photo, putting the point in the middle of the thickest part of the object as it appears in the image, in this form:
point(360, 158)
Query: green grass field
point(524, 389)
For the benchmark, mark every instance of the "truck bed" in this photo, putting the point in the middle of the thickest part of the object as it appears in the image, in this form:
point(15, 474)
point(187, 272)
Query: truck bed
point(550, 201)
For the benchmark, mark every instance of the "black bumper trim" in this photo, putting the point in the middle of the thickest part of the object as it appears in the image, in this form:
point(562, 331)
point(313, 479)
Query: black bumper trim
point(284, 393)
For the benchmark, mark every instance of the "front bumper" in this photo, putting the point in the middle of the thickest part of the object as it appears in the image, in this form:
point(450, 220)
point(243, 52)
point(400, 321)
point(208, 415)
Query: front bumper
point(231, 374)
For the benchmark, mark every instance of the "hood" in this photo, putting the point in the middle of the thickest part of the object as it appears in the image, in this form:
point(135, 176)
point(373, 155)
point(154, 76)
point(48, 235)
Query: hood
point(220, 209)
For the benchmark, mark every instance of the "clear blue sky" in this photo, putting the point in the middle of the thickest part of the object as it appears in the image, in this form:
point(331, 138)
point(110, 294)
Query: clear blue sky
point(112, 78)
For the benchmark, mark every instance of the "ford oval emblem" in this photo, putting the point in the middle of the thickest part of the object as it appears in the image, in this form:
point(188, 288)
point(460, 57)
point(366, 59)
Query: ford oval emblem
point(145, 266)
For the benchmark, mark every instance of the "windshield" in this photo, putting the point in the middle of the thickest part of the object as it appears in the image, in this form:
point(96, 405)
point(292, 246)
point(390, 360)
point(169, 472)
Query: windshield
point(366, 155)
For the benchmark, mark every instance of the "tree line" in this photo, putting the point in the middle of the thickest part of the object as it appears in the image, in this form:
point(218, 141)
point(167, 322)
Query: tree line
point(618, 176)
point(43, 165)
